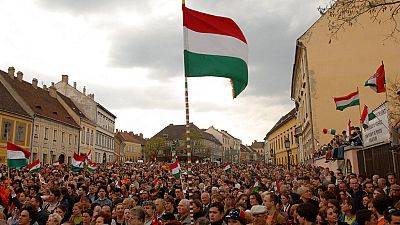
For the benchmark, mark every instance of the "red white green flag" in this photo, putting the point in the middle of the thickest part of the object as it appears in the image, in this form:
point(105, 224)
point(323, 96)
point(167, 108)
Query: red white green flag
point(377, 81)
point(329, 131)
point(349, 100)
point(17, 156)
point(34, 167)
point(253, 188)
point(91, 166)
point(175, 169)
point(227, 168)
point(215, 46)
point(77, 163)
point(367, 116)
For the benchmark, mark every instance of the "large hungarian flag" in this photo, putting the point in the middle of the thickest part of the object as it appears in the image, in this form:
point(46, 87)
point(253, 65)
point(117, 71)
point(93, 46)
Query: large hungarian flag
point(377, 81)
point(175, 169)
point(215, 46)
point(77, 163)
point(349, 100)
point(17, 156)
point(227, 168)
point(34, 167)
point(367, 116)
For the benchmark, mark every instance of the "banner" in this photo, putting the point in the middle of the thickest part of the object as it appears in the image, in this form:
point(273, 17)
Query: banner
point(377, 131)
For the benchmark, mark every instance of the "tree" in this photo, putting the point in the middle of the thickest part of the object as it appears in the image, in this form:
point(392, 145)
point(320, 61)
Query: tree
point(154, 146)
point(345, 13)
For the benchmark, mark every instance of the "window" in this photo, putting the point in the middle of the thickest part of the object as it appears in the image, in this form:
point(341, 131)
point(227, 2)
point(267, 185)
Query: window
point(76, 140)
point(36, 132)
point(45, 158)
point(83, 135)
point(6, 130)
point(20, 133)
point(46, 133)
point(55, 136)
point(87, 136)
point(91, 138)
point(70, 139)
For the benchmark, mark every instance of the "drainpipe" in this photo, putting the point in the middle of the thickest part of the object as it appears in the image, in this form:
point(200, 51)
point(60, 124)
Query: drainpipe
point(300, 45)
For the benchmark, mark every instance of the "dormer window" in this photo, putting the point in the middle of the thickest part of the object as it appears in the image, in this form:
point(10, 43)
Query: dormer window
point(39, 107)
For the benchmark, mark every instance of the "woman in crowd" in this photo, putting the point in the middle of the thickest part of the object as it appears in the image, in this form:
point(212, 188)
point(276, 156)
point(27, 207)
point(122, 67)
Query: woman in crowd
point(119, 214)
point(349, 210)
point(76, 217)
point(331, 217)
point(54, 219)
point(285, 205)
point(169, 204)
point(62, 211)
point(102, 218)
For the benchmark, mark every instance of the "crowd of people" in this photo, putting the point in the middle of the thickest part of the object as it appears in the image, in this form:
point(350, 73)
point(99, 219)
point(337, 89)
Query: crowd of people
point(334, 150)
point(148, 194)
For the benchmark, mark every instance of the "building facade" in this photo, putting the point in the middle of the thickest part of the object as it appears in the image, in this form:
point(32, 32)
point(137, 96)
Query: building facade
point(102, 137)
point(282, 131)
point(15, 123)
point(324, 68)
point(128, 146)
point(55, 133)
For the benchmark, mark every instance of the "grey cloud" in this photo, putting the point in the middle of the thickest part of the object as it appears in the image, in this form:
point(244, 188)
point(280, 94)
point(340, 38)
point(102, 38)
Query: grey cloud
point(91, 7)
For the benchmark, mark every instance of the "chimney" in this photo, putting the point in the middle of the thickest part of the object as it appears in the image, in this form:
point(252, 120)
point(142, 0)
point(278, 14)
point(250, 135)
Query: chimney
point(141, 135)
point(171, 124)
point(53, 91)
point(52, 84)
point(116, 130)
point(11, 71)
point(44, 87)
point(20, 76)
point(75, 85)
point(34, 83)
point(131, 133)
point(64, 78)
point(84, 90)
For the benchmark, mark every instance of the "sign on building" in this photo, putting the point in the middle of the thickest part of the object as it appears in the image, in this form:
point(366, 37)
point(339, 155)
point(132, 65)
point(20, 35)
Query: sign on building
point(378, 128)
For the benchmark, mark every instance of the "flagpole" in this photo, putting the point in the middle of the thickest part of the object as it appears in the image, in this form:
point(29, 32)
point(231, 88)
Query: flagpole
point(188, 147)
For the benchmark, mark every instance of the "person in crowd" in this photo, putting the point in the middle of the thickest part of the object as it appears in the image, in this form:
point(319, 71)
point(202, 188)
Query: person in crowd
point(183, 212)
point(216, 214)
point(255, 199)
point(53, 201)
point(37, 203)
point(259, 215)
point(76, 217)
point(102, 199)
point(169, 204)
point(160, 207)
point(87, 216)
point(119, 214)
point(381, 203)
point(306, 214)
point(28, 216)
point(54, 219)
point(365, 217)
point(393, 216)
point(63, 212)
point(205, 201)
point(236, 217)
point(197, 209)
point(102, 218)
point(137, 216)
point(274, 216)
point(349, 209)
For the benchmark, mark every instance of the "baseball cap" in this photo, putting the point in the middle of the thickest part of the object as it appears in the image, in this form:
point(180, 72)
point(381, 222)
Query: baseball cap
point(237, 214)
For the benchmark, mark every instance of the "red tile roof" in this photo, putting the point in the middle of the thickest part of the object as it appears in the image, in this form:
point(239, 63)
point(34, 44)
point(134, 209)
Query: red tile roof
point(9, 104)
point(40, 101)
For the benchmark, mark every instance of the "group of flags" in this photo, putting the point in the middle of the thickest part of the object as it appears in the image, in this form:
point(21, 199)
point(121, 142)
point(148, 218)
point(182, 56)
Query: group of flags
point(17, 158)
point(377, 83)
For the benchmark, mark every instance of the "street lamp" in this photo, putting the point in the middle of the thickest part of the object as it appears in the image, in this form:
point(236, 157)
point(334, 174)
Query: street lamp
point(287, 146)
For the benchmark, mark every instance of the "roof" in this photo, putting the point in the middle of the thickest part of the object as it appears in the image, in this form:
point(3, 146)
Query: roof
point(104, 109)
point(40, 101)
point(177, 131)
point(283, 120)
point(72, 105)
point(257, 144)
point(130, 137)
point(244, 148)
point(9, 104)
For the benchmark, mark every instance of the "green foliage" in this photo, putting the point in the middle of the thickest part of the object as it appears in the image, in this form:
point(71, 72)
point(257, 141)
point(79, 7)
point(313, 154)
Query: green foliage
point(154, 146)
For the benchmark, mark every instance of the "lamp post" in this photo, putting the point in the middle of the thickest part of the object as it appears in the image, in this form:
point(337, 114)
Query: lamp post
point(287, 146)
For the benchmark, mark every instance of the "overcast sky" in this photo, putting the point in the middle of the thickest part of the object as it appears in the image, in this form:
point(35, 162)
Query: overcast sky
point(129, 53)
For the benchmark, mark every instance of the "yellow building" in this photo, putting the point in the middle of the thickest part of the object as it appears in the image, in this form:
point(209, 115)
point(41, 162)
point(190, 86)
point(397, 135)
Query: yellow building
point(283, 130)
point(323, 70)
point(16, 124)
point(128, 146)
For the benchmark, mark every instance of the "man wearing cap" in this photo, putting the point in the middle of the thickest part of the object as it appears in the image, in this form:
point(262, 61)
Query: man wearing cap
point(395, 193)
point(236, 217)
point(259, 215)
